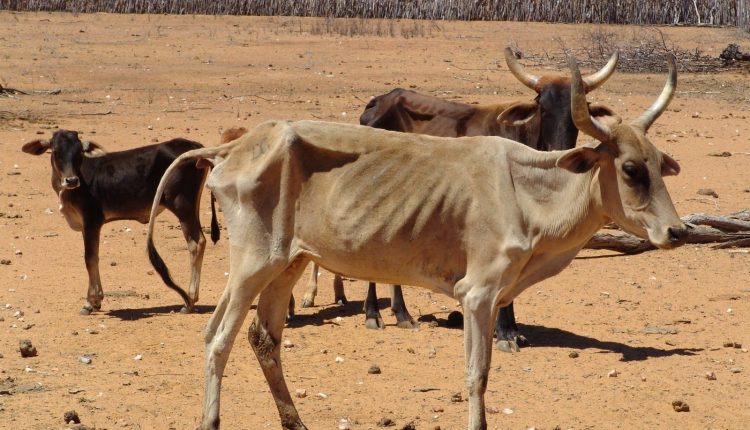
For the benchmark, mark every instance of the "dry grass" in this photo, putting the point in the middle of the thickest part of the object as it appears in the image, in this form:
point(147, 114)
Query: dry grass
point(701, 12)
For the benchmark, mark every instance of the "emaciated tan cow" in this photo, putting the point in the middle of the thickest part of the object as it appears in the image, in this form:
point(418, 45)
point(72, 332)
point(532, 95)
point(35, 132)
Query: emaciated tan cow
point(544, 123)
point(403, 208)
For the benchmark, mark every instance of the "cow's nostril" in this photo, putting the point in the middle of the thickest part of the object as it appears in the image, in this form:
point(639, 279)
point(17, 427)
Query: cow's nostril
point(677, 234)
point(71, 180)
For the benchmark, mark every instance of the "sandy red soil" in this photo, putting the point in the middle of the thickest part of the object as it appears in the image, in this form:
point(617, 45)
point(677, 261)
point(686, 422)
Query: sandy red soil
point(660, 319)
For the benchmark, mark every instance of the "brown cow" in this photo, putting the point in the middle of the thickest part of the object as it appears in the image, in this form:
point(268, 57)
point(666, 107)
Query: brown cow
point(544, 123)
point(95, 187)
point(395, 207)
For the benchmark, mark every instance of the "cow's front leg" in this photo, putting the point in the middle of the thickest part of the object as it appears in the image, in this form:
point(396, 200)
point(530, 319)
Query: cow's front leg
point(478, 305)
point(509, 339)
point(91, 233)
point(398, 306)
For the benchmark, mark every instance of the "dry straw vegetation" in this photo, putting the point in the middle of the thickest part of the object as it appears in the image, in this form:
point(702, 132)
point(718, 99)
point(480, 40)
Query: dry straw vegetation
point(643, 50)
point(710, 12)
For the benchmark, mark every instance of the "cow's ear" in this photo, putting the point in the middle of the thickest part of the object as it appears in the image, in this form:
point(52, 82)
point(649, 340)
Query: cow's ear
point(92, 149)
point(579, 160)
point(518, 113)
point(36, 147)
point(669, 167)
point(604, 114)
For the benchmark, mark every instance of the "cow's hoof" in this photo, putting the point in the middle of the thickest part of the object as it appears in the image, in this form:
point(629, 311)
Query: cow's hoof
point(375, 323)
point(342, 301)
point(86, 310)
point(507, 345)
point(408, 324)
point(186, 310)
point(307, 302)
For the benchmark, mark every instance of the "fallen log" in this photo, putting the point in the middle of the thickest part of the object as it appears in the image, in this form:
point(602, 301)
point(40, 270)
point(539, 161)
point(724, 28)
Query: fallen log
point(729, 231)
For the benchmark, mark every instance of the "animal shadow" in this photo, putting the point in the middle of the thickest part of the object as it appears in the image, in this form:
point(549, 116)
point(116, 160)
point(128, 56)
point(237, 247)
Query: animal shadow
point(141, 313)
point(327, 313)
point(540, 336)
point(551, 337)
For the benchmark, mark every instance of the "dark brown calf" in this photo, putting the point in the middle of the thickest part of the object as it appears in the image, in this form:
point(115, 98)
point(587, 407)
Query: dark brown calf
point(95, 187)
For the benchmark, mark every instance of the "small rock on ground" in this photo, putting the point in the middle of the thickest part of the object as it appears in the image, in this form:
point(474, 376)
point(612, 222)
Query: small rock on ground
point(385, 422)
point(374, 370)
point(708, 192)
point(71, 417)
point(26, 348)
point(680, 406)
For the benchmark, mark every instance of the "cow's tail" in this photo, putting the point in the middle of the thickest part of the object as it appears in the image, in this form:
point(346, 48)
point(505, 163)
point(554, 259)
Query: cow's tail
point(215, 232)
point(153, 255)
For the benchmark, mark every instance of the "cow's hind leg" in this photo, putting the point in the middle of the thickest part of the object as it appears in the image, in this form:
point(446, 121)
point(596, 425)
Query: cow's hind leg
point(398, 306)
point(91, 233)
point(308, 300)
point(196, 243)
point(185, 208)
point(509, 339)
point(373, 320)
point(265, 338)
point(247, 277)
point(338, 290)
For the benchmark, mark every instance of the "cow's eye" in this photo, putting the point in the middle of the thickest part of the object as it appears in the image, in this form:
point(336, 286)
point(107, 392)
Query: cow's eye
point(630, 169)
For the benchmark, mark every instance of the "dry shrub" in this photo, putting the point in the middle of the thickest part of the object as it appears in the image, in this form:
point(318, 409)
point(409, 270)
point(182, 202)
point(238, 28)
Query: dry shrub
point(643, 50)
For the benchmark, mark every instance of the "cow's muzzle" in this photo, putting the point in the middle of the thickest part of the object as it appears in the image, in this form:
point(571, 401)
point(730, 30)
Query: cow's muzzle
point(71, 182)
point(677, 236)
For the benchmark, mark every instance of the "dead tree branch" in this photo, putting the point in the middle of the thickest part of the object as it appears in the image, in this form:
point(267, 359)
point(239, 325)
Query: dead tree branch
point(729, 231)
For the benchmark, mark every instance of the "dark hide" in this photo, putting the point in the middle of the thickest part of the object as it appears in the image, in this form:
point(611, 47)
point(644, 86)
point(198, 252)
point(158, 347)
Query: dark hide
point(95, 188)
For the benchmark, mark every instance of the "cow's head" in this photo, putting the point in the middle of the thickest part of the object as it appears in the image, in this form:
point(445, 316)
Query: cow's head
point(67, 153)
point(550, 110)
point(632, 190)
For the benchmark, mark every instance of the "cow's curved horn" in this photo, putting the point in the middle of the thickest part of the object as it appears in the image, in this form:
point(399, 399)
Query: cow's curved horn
point(579, 107)
point(595, 80)
point(660, 105)
point(517, 69)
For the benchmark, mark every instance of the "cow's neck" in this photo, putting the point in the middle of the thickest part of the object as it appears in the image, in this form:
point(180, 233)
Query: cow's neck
point(562, 210)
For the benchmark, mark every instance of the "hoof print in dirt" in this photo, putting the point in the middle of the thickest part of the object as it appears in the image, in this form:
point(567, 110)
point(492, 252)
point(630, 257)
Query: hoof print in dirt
point(26, 348)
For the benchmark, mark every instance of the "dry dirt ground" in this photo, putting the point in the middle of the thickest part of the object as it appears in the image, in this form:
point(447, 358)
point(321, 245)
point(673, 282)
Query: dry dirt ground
point(660, 319)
